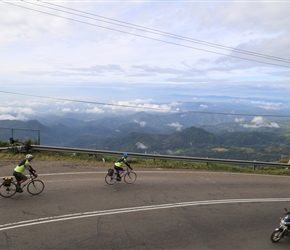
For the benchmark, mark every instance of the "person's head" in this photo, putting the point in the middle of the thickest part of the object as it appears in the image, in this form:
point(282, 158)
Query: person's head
point(29, 157)
point(125, 155)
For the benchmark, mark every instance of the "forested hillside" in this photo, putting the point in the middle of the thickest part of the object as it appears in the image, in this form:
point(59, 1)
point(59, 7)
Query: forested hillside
point(196, 142)
point(264, 144)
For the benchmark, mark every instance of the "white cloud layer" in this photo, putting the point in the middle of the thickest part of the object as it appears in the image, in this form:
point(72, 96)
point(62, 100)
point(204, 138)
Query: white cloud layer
point(70, 55)
point(12, 117)
point(15, 113)
point(269, 105)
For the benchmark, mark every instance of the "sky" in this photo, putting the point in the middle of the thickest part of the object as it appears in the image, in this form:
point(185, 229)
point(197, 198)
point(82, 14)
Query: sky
point(144, 53)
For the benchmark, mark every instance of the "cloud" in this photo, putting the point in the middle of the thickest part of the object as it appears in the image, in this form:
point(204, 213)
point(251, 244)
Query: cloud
point(95, 110)
point(141, 145)
point(142, 124)
point(260, 122)
point(269, 105)
point(15, 113)
point(175, 104)
point(138, 105)
point(43, 105)
point(66, 110)
point(203, 106)
point(16, 110)
point(12, 117)
point(176, 125)
point(239, 120)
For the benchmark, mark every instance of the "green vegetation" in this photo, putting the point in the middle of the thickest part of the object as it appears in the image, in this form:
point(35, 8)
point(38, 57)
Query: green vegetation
point(196, 142)
point(144, 163)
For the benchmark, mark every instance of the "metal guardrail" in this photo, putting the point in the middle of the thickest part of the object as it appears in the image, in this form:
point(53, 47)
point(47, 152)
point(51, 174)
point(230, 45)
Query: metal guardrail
point(19, 148)
point(159, 157)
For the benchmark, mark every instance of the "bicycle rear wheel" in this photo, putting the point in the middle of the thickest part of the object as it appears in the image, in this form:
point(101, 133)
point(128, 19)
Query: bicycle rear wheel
point(130, 177)
point(110, 180)
point(8, 191)
point(35, 187)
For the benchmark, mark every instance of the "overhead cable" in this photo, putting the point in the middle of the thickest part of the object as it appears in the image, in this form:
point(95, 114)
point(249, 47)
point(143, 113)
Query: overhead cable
point(171, 35)
point(160, 40)
point(80, 101)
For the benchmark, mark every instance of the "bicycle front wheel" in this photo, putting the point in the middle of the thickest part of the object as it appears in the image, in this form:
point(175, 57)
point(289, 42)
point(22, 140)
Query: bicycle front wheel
point(8, 191)
point(130, 177)
point(110, 180)
point(35, 187)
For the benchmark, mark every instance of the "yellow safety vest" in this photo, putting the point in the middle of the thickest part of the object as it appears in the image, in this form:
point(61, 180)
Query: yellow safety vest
point(21, 168)
point(120, 163)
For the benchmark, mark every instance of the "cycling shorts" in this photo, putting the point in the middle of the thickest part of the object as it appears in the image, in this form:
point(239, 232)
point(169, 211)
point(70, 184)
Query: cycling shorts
point(118, 168)
point(19, 176)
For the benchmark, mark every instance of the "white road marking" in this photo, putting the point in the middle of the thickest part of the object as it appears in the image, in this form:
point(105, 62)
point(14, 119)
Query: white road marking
point(132, 209)
point(172, 172)
point(167, 172)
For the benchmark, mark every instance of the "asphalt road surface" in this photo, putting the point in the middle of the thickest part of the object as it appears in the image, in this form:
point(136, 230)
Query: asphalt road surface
point(163, 209)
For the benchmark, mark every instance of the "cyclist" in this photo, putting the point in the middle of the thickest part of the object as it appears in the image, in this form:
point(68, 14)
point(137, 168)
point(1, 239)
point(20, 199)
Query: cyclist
point(20, 168)
point(118, 165)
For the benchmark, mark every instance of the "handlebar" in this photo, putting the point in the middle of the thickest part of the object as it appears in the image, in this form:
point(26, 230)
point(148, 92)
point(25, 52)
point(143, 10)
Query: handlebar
point(33, 176)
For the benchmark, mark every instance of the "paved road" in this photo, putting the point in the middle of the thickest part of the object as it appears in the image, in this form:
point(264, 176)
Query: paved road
point(162, 210)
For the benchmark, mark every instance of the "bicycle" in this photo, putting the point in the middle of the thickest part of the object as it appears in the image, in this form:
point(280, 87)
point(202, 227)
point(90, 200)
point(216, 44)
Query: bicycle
point(129, 176)
point(9, 187)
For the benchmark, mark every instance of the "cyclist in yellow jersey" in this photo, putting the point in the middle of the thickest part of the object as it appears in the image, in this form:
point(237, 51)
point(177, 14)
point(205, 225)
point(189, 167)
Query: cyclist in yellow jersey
point(19, 170)
point(118, 165)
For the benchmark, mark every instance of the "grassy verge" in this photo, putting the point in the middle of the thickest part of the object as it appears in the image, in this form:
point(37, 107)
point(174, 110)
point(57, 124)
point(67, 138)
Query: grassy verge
point(144, 163)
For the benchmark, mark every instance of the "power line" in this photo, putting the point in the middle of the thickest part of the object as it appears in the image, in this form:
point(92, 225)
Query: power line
point(155, 39)
point(149, 108)
point(80, 101)
point(155, 31)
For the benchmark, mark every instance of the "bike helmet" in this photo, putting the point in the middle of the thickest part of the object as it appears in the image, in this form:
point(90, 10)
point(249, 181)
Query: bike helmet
point(125, 155)
point(29, 156)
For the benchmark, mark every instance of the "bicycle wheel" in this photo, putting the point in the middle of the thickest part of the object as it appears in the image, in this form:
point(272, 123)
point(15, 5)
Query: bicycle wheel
point(130, 177)
point(35, 187)
point(8, 191)
point(110, 179)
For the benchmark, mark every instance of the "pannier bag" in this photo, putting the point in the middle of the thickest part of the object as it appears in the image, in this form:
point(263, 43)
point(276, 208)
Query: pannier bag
point(7, 181)
point(110, 172)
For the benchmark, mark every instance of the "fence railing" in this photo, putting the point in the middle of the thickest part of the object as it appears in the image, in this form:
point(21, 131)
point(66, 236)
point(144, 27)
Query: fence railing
point(13, 130)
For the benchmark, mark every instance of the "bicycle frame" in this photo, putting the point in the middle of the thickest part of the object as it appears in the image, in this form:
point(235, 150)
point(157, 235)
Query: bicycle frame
point(31, 179)
point(115, 175)
point(125, 172)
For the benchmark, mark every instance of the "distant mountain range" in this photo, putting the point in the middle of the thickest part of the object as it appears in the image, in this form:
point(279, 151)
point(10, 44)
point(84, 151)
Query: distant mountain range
point(184, 133)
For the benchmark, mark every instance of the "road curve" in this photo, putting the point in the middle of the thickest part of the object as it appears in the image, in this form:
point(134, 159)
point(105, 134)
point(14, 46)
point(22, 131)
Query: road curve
point(162, 210)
